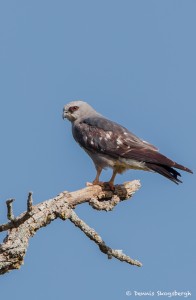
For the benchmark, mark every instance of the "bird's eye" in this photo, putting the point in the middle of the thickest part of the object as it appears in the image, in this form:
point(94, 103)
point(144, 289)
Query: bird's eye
point(73, 108)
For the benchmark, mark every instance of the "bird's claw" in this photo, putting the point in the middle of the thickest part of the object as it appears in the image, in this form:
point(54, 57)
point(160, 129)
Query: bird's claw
point(110, 185)
point(95, 182)
point(106, 185)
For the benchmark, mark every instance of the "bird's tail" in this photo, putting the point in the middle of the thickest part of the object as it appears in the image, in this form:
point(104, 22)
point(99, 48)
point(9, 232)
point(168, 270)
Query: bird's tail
point(168, 171)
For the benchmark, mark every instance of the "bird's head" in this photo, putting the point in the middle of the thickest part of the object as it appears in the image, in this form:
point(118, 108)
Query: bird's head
point(76, 110)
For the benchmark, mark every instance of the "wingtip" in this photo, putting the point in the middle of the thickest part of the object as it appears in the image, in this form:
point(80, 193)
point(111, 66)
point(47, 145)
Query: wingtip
point(180, 167)
point(187, 170)
point(190, 171)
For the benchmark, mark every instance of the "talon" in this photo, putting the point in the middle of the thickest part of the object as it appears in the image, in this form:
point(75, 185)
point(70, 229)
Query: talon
point(112, 187)
point(109, 185)
point(96, 182)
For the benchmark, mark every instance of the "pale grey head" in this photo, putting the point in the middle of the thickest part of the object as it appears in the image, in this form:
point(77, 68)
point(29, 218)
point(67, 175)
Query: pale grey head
point(76, 110)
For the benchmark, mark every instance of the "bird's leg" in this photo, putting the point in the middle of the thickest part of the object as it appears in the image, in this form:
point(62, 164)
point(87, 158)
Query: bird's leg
point(96, 181)
point(111, 181)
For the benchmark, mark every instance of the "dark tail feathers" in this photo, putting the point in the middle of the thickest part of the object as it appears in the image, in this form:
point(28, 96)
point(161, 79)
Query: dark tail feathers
point(168, 171)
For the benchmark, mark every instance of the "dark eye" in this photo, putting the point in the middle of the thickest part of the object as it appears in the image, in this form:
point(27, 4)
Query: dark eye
point(73, 108)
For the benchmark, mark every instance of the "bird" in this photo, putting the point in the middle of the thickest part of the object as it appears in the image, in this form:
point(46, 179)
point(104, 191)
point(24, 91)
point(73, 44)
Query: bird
point(111, 145)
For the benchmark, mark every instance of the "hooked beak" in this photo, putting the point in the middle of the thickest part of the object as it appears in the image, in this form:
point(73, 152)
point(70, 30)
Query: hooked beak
point(64, 115)
point(67, 115)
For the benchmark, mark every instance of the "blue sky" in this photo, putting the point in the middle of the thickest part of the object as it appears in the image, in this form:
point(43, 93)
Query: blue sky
point(134, 61)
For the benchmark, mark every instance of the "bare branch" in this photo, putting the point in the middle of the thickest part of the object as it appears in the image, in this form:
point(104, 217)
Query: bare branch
point(104, 205)
point(30, 202)
point(15, 223)
point(94, 236)
point(23, 227)
point(10, 214)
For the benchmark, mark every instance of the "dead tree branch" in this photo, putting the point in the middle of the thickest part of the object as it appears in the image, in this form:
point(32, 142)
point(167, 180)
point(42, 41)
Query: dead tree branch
point(22, 228)
point(93, 235)
point(10, 214)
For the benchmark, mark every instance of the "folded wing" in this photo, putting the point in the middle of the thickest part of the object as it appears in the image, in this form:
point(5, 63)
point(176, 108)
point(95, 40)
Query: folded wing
point(100, 135)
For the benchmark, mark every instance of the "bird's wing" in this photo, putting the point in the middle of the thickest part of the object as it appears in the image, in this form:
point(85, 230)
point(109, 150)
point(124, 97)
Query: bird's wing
point(98, 134)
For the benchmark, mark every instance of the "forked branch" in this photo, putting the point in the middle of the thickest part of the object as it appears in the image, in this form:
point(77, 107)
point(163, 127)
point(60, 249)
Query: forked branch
point(22, 228)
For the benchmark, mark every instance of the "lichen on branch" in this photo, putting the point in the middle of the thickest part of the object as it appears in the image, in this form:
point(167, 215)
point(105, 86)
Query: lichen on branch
point(22, 228)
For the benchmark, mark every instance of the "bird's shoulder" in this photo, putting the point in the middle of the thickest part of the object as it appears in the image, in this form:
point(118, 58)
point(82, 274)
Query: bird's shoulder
point(117, 131)
point(101, 133)
point(103, 123)
point(95, 126)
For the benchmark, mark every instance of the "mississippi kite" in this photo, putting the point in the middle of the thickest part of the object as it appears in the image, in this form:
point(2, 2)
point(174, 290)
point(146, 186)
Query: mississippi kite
point(112, 145)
